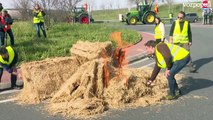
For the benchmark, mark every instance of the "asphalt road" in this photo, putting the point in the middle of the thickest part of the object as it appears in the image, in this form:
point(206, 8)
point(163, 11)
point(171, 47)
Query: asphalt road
point(195, 104)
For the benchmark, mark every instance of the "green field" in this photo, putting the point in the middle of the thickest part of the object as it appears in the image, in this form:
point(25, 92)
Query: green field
point(61, 37)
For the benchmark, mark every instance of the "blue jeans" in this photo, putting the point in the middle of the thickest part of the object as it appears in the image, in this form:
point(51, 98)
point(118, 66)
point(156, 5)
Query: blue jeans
point(38, 27)
point(177, 66)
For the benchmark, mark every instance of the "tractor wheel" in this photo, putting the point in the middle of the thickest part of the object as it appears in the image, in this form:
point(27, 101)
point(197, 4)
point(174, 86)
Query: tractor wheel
point(84, 19)
point(132, 20)
point(127, 22)
point(149, 18)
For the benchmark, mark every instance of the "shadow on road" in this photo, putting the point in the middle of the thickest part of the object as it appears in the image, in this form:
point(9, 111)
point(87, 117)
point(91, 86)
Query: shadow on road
point(199, 63)
point(191, 84)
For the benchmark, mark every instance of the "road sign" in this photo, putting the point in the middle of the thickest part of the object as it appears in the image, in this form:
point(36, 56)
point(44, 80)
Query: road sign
point(204, 4)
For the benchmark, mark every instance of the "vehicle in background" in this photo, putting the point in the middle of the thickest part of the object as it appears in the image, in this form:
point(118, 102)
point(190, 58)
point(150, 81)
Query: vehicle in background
point(191, 17)
point(82, 16)
point(143, 14)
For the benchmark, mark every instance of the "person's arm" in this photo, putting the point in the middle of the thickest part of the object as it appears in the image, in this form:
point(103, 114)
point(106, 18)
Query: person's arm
point(155, 72)
point(189, 34)
point(171, 32)
point(43, 13)
point(35, 13)
point(9, 20)
point(2, 26)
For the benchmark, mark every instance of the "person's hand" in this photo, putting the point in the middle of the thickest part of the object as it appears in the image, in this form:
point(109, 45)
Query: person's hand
point(150, 83)
point(170, 39)
point(167, 73)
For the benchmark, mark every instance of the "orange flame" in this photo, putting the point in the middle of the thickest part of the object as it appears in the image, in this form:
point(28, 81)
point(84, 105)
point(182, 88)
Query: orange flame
point(116, 36)
point(120, 55)
point(105, 69)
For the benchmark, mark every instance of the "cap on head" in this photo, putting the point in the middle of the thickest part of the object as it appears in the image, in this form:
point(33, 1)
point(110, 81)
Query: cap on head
point(151, 43)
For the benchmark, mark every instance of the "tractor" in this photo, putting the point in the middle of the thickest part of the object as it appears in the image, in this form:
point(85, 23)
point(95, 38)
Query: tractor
point(143, 14)
point(82, 16)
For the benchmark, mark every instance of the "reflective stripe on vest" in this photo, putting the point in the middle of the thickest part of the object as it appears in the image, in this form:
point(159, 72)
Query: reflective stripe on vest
point(178, 35)
point(158, 32)
point(176, 51)
point(39, 18)
point(11, 55)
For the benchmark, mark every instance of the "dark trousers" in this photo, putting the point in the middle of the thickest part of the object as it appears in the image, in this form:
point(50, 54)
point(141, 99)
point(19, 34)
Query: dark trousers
point(10, 33)
point(2, 36)
point(171, 21)
point(177, 66)
point(38, 27)
point(13, 77)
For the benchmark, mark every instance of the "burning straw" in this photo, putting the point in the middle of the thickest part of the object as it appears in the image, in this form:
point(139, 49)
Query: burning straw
point(85, 86)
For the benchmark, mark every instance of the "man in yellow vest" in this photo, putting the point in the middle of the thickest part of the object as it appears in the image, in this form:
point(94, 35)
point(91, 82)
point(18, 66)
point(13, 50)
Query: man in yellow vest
point(180, 34)
point(170, 57)
point(38, 20)
point(8, 61)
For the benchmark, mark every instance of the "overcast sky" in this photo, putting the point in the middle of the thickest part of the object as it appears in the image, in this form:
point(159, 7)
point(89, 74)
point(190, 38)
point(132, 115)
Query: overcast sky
point(105, 4)
point(95, 4)
point(7, 3)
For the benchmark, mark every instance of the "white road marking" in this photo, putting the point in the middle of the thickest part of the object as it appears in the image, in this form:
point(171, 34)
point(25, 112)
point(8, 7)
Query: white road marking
point(129, 57)
point(139, 61)
point(9, 91)
point(8, 100)
point(148, 65)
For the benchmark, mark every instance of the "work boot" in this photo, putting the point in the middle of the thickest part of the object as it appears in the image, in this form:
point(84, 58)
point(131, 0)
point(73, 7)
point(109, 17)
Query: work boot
point(13, 80)
point(171, 97)
point(16, 87)
point(192, 69)
point(178, 93)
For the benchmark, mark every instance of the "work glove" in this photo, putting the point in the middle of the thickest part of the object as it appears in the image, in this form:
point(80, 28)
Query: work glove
point(150, 83)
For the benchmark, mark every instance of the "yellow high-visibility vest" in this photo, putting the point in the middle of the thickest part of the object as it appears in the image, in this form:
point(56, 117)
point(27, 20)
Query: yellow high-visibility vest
point(176, 51)
point(158, 32)
point(39, 18)
point(181, 36)
point(11, 54)
point(170, 16)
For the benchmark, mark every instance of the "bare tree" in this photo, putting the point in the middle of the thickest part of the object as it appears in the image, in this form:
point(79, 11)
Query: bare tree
point(65, 7)
point(170, 3)
point(103, 6)
point(55, 9)
point(110, 5)
point(23, 6)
